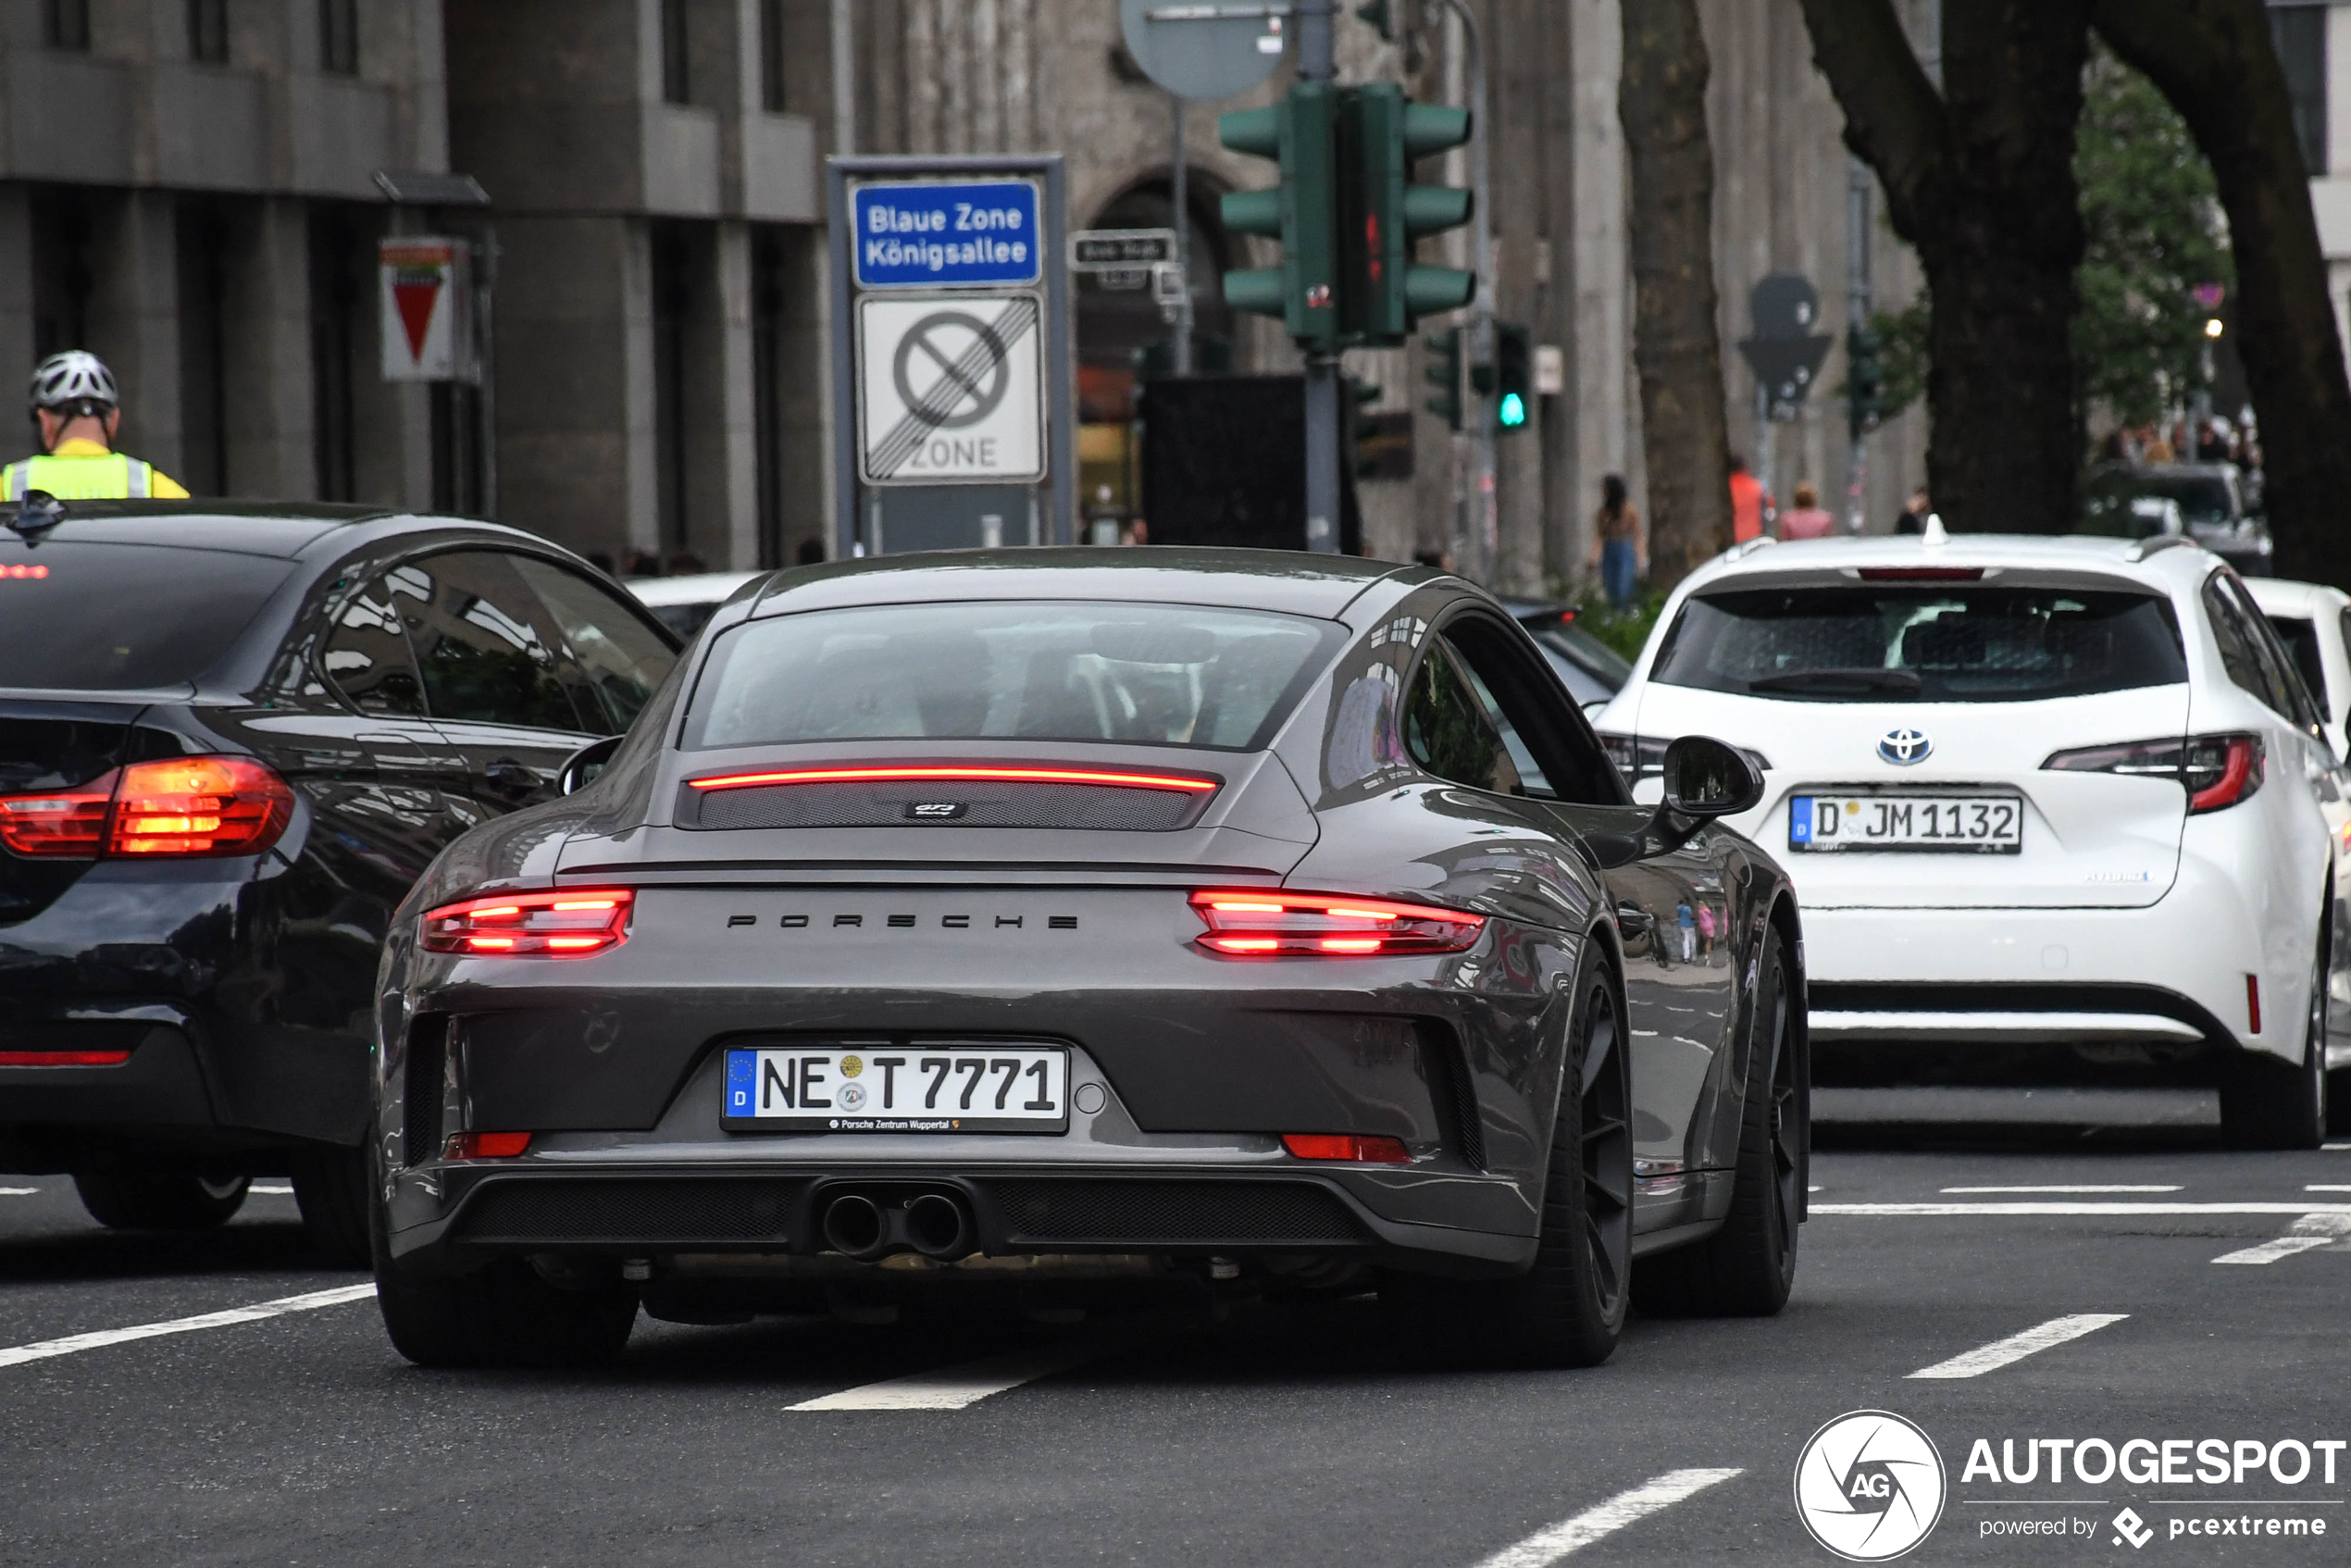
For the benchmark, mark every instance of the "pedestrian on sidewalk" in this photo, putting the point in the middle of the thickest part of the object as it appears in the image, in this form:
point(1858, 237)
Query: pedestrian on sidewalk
point(1913, 517)
point(1617, 554)
point(1748, 503)
point(1807, 518)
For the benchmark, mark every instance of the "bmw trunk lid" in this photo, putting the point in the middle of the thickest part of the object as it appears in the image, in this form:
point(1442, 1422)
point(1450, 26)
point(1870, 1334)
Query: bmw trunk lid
point(2084, 839)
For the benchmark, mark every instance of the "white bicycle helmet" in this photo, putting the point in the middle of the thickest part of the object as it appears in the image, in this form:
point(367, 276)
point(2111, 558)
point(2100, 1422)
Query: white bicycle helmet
point(74, 379)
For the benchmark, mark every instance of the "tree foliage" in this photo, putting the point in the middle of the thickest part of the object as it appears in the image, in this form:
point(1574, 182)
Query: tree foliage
point(2151, 220)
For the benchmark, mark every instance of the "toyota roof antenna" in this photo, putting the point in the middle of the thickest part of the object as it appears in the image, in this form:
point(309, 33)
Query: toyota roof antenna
point(37, 514)
point(1932, 533)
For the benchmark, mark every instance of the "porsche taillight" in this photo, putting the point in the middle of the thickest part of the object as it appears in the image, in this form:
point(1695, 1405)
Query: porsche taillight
point(1248, 923)
point(573, 923)
point(183, 808)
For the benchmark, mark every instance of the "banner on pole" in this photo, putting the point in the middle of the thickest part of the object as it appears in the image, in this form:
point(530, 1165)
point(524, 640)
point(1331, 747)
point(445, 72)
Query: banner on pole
point(427, 309)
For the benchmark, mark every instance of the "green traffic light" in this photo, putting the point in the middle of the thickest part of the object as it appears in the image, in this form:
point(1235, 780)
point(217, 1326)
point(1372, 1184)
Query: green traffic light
point(1511, 412)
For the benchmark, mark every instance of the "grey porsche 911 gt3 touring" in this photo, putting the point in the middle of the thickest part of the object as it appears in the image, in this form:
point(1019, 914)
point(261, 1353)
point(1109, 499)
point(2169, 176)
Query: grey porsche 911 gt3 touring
point(990, 918)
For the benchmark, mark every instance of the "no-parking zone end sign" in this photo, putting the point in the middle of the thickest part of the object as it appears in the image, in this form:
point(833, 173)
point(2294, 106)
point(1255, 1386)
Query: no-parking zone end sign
point(951, 389)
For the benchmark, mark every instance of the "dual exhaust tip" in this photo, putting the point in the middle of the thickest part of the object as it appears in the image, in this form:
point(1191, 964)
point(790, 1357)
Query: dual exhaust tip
point(936, 1225)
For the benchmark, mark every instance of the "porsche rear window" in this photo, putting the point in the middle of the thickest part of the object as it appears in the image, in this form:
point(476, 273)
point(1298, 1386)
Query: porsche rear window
point(1161, 675)
point(82, 616)
point(1868, 643)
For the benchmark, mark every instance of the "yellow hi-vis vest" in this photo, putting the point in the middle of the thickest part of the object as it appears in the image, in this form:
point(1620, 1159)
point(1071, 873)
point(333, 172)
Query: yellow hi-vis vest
point(98, 475)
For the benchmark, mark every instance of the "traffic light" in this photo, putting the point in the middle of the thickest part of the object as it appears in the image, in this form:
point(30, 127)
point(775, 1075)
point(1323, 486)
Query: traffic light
point(1513, 376)
point(1383, 292)
point(1297, 134)
point(1509, 380)
point(1864, 382)
point(1445, 374)
point(1363, 437)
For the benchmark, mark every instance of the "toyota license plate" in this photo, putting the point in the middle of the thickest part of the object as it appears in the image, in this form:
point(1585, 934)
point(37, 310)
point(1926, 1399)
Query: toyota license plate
point(1944, 823)
point(888, 1087)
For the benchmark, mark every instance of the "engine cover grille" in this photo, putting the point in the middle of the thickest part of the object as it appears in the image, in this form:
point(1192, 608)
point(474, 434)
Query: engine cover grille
point(957, 803)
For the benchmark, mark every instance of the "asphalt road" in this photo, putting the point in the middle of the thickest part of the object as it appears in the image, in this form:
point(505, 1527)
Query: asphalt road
point(1289, 1434)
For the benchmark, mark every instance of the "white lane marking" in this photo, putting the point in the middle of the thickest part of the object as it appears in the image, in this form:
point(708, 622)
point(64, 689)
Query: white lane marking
point(1545, 1547)
point(17, 1191)
point(2335, 1148)
point(278, 1191)
point(957, 1388)
point(2326, 1187)
point(2082, 1188)
point(2277, 1247)
point(43, 1349)
point(1931, 1210)
point(2016, 1347)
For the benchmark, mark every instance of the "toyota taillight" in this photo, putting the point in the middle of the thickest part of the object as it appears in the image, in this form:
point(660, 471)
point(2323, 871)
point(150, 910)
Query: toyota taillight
point(2216, 770)
point(187, 807)
point(1257, 925)
point(570, 924)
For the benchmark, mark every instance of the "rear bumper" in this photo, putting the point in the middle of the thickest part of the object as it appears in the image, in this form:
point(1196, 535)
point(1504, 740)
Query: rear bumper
point(1015, 1211)
point(2168, 978)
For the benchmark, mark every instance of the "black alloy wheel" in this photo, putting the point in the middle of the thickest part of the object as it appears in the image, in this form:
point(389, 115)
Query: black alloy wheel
point(1748, 1268)
point(331, 1188)
point(133, 1199)
point(1569, 1309)
point(2266, 1103)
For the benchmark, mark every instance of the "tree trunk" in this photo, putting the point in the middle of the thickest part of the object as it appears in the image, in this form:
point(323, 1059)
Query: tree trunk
point(1979, 177)
point(2214, 60)
point(1662, 102)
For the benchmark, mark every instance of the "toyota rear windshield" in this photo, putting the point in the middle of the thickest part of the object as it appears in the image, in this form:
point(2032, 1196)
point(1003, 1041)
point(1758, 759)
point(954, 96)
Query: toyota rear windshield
point(1941, 643)
point(80, 616)
point(1157, 674)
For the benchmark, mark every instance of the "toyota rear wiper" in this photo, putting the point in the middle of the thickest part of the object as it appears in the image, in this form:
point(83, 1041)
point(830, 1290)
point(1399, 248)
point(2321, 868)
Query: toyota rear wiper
point(1900, 682)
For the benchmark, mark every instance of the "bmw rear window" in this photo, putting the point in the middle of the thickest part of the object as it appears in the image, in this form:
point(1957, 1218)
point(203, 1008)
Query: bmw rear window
point(1161, 675)
point(88, 616)
point(1872, 643)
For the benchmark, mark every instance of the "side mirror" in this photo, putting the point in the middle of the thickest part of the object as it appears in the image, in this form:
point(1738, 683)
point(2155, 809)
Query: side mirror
point(1705, 779)
point(580, 768)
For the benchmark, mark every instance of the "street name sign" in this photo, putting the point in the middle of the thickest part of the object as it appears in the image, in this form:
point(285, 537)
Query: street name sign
point(931, 234)
point(951, 389)
point(1093, 250)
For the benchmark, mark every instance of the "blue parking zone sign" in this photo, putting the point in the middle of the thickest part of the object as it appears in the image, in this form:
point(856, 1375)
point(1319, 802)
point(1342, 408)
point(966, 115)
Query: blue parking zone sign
point(965, 233)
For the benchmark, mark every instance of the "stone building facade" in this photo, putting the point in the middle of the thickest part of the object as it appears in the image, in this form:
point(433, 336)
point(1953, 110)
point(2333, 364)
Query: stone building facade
point(186, 187)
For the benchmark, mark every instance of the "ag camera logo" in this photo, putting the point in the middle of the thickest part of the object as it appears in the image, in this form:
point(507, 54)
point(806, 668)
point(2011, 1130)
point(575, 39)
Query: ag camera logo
point(1870, 1486)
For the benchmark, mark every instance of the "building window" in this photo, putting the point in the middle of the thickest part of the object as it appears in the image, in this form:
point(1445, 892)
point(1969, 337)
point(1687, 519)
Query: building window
point(2300, 35)
point(65, 24)
point(340, 247)
point(677, 80)
point(208, 31)
point(339, 37)
point(673, 290)
point(772, 96)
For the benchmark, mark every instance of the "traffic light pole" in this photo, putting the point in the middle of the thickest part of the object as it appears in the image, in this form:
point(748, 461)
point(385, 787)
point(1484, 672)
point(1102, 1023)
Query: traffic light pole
point(1478, 549)
point(1316, 62)
point(1856, 317)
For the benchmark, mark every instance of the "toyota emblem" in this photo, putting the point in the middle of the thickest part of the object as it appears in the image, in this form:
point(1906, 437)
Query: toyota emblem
point(1904, 746)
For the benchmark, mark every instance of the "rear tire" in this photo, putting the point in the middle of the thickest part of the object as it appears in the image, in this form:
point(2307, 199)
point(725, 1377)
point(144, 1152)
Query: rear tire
point(331, 1188)
point(160, 1199)
point(1569, 1309)
point(504, 1315)
point(2266, 1103)
point(1747, 1268)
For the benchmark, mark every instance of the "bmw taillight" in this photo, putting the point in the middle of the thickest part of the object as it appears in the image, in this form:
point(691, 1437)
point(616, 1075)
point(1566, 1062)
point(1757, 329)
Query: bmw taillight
point(1246, 923)
point(569, 924)
point(183, 808)
point(2216, 770)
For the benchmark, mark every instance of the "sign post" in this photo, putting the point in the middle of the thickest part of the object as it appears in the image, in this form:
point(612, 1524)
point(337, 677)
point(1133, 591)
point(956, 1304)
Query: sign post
point(952, 388)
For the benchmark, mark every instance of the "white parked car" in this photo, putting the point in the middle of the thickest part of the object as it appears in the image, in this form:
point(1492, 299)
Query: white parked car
point(2314, 622)
point(2057, 809)
point(685, 603)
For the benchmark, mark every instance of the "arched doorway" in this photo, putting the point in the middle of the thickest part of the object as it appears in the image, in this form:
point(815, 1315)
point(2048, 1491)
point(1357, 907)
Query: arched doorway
point(1124, 337)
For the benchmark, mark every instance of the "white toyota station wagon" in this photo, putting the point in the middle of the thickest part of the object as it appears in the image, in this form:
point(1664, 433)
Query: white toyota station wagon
point(2059, 810)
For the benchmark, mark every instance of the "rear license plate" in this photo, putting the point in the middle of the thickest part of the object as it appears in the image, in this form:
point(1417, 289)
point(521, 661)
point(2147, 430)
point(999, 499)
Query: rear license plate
point(1930, 823)
point(897, 1089)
